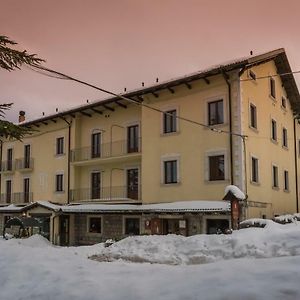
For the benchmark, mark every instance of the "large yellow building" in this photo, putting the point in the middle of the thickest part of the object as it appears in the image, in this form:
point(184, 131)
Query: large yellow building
point(159, 162)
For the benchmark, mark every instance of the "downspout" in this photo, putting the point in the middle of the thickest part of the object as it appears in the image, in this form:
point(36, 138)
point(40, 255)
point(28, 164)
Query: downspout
point(226, 77)
point(296, 166)
point(69, 158)
point(1, 150)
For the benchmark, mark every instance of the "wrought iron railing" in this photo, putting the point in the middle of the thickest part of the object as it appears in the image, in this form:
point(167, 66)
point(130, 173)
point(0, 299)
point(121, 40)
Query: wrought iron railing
point(17, 198)
point(8, 166)
point(106, 150)
point(118, 193)
point(24, 163)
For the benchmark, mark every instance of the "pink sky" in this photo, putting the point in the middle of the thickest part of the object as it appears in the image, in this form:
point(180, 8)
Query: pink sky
point(117, 44)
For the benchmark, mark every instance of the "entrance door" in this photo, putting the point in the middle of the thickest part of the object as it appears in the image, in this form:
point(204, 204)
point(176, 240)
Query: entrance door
point(133, 184)
point(64, 230)
point(133, 139)
point(156, 226)
point(96, 185)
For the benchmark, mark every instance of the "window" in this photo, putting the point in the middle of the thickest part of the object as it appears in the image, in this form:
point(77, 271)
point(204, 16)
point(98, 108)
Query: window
point(216, 167)
point(26, 187)
point(133, 139)
point(8, 191)
point(95, 185)
point(215, 112)
point(9, 159)
point(96, 140)
point(252, 75)
point(275, 176)
point(286, 180)
point(253, 116)
point(272, 87)
point(273, 130)
point(94, 225)
point(60, 146)
point(26, 156)
point(59, 186)
point(170, 171)
point(254, 169)
point(132, 226)
point(284, 137)
point(170, 121)
point(283, 102)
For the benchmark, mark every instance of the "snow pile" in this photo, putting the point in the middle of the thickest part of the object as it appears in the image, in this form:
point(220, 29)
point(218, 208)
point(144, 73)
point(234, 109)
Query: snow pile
point(275, 240)
point(283, 219)
point(255, 222)
point(235, 191)
point(35, 269)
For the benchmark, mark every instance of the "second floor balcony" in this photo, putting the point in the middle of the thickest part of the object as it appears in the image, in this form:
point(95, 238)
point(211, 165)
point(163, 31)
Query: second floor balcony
point(17, 198)
point(8, 166)
point(24, 164)
point(107, 194)
point(118, 149)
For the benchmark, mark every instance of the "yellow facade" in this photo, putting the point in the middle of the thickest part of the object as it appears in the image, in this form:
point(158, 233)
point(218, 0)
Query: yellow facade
point(192, 147)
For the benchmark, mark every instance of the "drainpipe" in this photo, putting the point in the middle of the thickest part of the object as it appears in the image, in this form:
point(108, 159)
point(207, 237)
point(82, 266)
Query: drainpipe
point(1, 150)
point(296, 165)
point(69, 158)
point(226, 77)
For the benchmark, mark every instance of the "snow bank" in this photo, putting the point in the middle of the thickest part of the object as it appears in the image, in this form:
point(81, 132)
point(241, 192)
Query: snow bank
point(274, 240)
point(35, 269)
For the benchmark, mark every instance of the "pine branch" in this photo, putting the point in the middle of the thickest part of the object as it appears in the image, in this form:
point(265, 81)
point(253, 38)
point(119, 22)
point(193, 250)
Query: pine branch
point(11, 59)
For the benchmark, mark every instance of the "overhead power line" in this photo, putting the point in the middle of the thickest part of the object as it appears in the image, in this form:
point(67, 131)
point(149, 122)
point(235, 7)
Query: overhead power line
point(52, 73)
point(270, 76)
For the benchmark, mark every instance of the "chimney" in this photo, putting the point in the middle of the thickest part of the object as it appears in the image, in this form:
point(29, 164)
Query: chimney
point(21, 116)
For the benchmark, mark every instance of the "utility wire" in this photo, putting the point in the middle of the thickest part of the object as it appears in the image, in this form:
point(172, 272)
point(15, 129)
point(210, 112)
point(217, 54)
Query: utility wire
point(59, 75)
point(270, 76)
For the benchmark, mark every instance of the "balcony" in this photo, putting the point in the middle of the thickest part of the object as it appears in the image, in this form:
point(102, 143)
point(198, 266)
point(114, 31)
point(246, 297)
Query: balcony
point(17, 198)
point(8, 167)
point(24, 164)
point(118, 150)
point(114, 194)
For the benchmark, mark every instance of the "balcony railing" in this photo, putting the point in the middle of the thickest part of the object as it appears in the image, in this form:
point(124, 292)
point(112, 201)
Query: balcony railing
point(106, 150)
point(24, 164)
point(115, 193)
point(8, 166)
point(17, 198)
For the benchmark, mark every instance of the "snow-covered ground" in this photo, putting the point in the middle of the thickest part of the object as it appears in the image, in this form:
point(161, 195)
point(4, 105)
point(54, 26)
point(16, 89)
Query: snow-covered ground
point(253, 263)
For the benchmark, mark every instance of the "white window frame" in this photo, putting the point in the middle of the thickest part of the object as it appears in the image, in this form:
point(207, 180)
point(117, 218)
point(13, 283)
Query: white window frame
point(283, 140)
point(56, 145)
point(63, 182)
point(169, 157)
point(271, 130)
point(286, 184)
point(167, 109)
point(216, 152)
point(273, 185)
point(250, 118)
point(206, 110)
point(271, 79)
point(251, 170)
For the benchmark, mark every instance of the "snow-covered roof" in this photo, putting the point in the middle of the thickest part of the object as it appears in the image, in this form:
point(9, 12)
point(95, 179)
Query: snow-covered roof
point(235, 191)
point(181, 206)
point(11, 208)
point(210, 71)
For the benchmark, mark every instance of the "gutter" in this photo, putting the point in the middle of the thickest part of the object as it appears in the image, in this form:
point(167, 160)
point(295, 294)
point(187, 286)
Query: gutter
point(69, 158)
point(226, 78)
point(296, 166)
